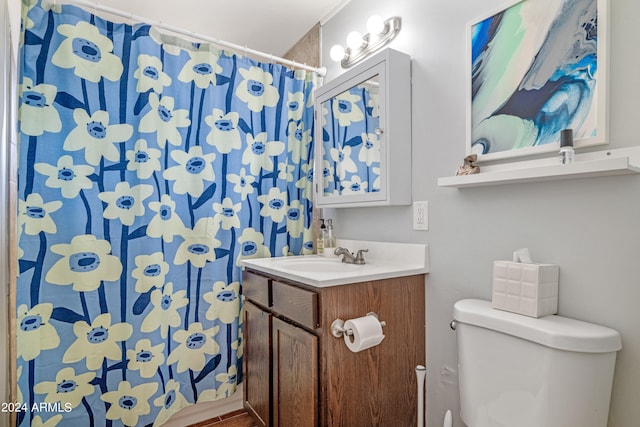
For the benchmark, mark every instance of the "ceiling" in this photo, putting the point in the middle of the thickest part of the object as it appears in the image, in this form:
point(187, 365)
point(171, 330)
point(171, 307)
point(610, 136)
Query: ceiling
point(270, 26)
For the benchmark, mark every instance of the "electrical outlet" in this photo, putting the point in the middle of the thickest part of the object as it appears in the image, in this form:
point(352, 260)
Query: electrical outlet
point(420, 215)
point(448, 375)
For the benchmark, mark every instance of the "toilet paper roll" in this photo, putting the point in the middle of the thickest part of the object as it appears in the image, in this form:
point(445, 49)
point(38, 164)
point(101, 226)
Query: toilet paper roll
point(366, 333)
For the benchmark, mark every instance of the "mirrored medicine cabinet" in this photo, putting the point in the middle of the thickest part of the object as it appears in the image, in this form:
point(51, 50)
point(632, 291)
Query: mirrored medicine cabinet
point(363, 134)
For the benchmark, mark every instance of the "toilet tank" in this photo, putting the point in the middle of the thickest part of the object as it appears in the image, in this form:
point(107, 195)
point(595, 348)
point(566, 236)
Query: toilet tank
point(519, 371)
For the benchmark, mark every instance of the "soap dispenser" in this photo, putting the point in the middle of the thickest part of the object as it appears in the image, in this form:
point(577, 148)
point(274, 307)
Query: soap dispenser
point(330, 242)
point(322, 235)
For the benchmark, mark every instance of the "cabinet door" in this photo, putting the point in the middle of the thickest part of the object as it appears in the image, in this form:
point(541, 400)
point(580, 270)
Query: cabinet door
point(383, 82)
point(295, 376)
point(257, 363)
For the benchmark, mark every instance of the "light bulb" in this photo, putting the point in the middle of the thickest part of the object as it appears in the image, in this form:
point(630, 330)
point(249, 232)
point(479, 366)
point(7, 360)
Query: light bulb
point(337, 52)
point(354, 40)
point(375, 25)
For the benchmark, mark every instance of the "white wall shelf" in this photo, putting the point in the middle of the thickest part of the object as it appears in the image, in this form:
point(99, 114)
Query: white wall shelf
point(602, 163)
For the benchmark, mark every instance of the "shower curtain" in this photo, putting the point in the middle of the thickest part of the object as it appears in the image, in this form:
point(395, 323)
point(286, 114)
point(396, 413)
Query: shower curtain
point(149, 167)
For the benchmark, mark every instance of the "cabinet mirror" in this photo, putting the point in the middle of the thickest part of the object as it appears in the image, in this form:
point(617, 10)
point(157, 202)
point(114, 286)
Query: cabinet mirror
point(363, 135)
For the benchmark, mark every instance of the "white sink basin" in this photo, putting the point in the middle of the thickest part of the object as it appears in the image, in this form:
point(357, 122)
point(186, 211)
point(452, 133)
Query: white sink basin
point(317, 265)
point(383, 261)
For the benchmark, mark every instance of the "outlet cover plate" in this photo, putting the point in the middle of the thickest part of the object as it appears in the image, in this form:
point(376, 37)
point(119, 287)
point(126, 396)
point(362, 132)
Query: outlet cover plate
point(421, 215)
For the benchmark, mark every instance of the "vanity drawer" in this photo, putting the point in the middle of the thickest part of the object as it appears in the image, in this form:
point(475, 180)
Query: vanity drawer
point(297, 304)
point(256, 288)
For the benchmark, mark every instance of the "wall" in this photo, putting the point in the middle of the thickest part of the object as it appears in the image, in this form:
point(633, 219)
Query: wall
point(590, 227)
point(307, 49)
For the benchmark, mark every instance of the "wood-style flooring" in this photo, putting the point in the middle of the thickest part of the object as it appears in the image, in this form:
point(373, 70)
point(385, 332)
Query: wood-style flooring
point(234, 419)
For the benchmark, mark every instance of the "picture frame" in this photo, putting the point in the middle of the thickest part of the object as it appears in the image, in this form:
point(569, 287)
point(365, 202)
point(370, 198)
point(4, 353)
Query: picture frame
point(533, 69)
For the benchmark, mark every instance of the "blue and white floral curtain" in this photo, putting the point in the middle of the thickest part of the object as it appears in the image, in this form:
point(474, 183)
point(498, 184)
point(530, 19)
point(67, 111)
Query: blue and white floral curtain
point(149, 168)
point(351, 141)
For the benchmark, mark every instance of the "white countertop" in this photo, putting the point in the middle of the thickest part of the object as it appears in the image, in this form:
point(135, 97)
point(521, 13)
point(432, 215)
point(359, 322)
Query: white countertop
point(383, 261)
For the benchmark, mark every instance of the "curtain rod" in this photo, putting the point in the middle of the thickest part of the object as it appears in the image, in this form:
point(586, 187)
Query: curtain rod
point(322, 71)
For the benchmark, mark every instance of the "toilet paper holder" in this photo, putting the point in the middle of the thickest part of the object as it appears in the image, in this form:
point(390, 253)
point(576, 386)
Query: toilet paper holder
point(338, 330)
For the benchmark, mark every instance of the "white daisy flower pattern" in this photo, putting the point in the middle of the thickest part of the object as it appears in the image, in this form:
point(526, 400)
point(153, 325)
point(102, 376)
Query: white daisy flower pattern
point(226, 214)
point(342, 156)
point(274, 204)
point(149, 167)
point(192, 170)
point(201, 68)
point(164, 120)
point(143, 160)
point(34, 214)
point(243, 183)
point(68, 177)
point(257, 90)
point(346, 110)
point(166, 223)
point(37, 114)
point(150, 75)
point(125, 202)
point(258, 154)
point(95, 135)
point(224, 133)
point(88, 52)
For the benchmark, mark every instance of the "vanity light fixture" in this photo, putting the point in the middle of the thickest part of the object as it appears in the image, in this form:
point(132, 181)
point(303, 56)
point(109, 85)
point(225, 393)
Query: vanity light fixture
point(380, 33)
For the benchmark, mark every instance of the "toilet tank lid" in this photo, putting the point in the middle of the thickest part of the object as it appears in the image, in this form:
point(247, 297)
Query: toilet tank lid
point(551, 331)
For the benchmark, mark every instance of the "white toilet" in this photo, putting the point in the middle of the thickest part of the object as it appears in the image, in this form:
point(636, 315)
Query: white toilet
point(519, 371)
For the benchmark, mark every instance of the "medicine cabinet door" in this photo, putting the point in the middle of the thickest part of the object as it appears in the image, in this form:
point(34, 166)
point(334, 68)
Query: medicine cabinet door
point(362, 135)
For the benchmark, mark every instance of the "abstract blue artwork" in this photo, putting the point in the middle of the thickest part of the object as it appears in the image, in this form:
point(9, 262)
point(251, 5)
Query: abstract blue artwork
point(536, 68)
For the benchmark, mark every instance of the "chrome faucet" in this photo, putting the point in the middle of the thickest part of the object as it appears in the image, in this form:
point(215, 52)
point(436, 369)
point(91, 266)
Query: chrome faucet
point(349, 258)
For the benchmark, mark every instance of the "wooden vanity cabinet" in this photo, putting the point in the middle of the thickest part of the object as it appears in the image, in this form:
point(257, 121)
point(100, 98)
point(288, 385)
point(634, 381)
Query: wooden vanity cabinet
point(282, 357)
point(297, 374)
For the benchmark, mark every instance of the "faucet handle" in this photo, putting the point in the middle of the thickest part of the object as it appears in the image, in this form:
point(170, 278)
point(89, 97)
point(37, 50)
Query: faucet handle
point(360, 256)
point(340, 250)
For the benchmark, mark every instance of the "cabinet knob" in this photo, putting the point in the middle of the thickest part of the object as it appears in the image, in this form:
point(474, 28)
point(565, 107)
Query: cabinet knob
point(379, 131)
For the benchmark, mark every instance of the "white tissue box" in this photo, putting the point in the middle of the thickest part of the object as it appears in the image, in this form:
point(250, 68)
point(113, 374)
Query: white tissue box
point(523, 288)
